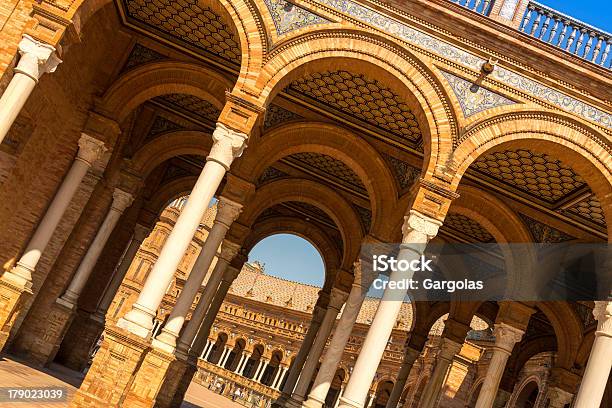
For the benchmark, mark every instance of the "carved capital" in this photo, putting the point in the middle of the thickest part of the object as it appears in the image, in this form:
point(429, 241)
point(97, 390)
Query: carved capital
point(506, 336)
point(90, 149)
point(419, 228)
point(227, 211)
point(337, 299)
point(121, 200)
point(603, 314)
point(558, 397)
point(227, 145)
point(37, 58)
point(448, 349)
point(230, 274)
point(229, 250)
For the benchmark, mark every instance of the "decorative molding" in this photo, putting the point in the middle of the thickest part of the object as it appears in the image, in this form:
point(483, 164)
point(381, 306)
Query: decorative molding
point(140, 55)
point(269, 174)
point(405, 174)
point(472, 97)
point(543, 233)
point(458, 55)
point(288, 17)
point(161, 125)
point(276, 115)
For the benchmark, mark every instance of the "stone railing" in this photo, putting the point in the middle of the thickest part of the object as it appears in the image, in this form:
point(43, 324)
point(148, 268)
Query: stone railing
point(244, 382)
point(567, 33)
point(479, 6)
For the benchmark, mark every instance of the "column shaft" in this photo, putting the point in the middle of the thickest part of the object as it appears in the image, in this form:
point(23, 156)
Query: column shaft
point(334, 352)
point(409, 359)
point(433, 387)
point(597, 371)
point(263, 369)
point(227, 145)
point(121, 200)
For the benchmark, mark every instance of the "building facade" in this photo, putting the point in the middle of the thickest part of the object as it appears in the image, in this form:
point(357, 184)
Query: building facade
point(348, 123)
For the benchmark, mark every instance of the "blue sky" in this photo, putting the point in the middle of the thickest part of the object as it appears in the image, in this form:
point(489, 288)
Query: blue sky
point(594, 12)
point(291, 257)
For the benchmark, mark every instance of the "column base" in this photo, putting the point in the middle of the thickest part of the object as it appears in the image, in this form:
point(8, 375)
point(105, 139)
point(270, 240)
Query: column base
point(177, 394)
point(13, 295)
point(139, 321)
point(113, 370)
point(312, 402)
point(79, 341)
point(165, 341)
point(281, 402)
point(347, 403)
point(294, 402)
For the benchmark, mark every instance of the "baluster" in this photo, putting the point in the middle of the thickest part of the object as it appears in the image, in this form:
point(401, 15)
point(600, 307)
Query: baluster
point(580, 40)
point(604, 56)
point(597, 48)
point(570, 40)
point(536, 23)
point(545, 25)
point(527, 18)
point(588, 45)
point(476, 4)
point(553, 30)
point(563, 32)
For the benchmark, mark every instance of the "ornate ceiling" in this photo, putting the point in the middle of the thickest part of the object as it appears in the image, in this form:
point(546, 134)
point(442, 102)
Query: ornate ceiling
point(458, 225)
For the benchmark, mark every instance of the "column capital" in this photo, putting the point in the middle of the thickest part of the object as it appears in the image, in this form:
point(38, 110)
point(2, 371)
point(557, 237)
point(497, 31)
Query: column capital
point(90, 149)
point(603, 314)
point(425, 227)
point(121, 200)
point(37, 58)
point(227, 211)
point(364, 273)
point(558, 397)
point(230, 274)
point(337, 299)
point(141, 232)
point(229, 250)
point(227, 145)
point(449, 348)
point(506, 336)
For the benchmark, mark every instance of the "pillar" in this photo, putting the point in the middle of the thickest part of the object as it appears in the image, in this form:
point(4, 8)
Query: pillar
point(336, 300)
point(140, 234)
point(448, 349)
point(558, 398)
point(334, 352)
point(240, 370)
point(223, 356)
point(15, 284)
point(229, 250)
point(506, 337)
point(242, 356)
point(227, 212)
point(597, 371)
point(281, 376)
point(121, 200)
point(410, 357)
point(228, 144)
point(417, 230)
point(36, 59)
point(300, 358)
point(259, 375)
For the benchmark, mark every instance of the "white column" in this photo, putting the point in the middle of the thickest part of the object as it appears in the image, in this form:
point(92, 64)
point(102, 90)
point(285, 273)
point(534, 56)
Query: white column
point(208, 343)
point(448, 350)
point(337, 402)
point(228, 144)
point(506, 337)
point(90, 149)
point(121, 200)
point(281, 377)
point(220, 362)
point(258, 368)
point(558, 398)
point(140, 234)
point(371, 400)
point(263, 369)
point(333, 355)
point(242, 355)
point(229, 352)
point(227, 212)
point(36, 59)
point(228, 251)
point(244, 363)
point(417, 230)
point(597, 370)
point(208, 352)
point(276, 376)
point(336, 300)
point(410, 357)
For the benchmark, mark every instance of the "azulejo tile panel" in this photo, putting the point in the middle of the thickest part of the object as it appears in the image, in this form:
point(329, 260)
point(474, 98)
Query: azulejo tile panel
point(454, 53)
point(288, 17)
point(474, 99)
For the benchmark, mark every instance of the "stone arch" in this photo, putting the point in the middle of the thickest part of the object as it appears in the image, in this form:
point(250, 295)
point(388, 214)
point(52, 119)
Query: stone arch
point(168, 146)
point(474, 392)
point(568, 331)
point(567, 138)
point(329, 251)
point(331, 140)
point(332, 203)
point(525, 390)
point(169, 191)
point(159, 78)
point(392, 64)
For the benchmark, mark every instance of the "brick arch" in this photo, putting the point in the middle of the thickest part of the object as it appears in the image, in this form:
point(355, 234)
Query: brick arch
point(555, 134)
point(310, 192)
point(568, 331)
point(329, 251)
point(160, 78)
point(522, 352)
point(169, 191)
point(167, 146)
point(424, 315)
point(334, 141)
point(371, 53)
